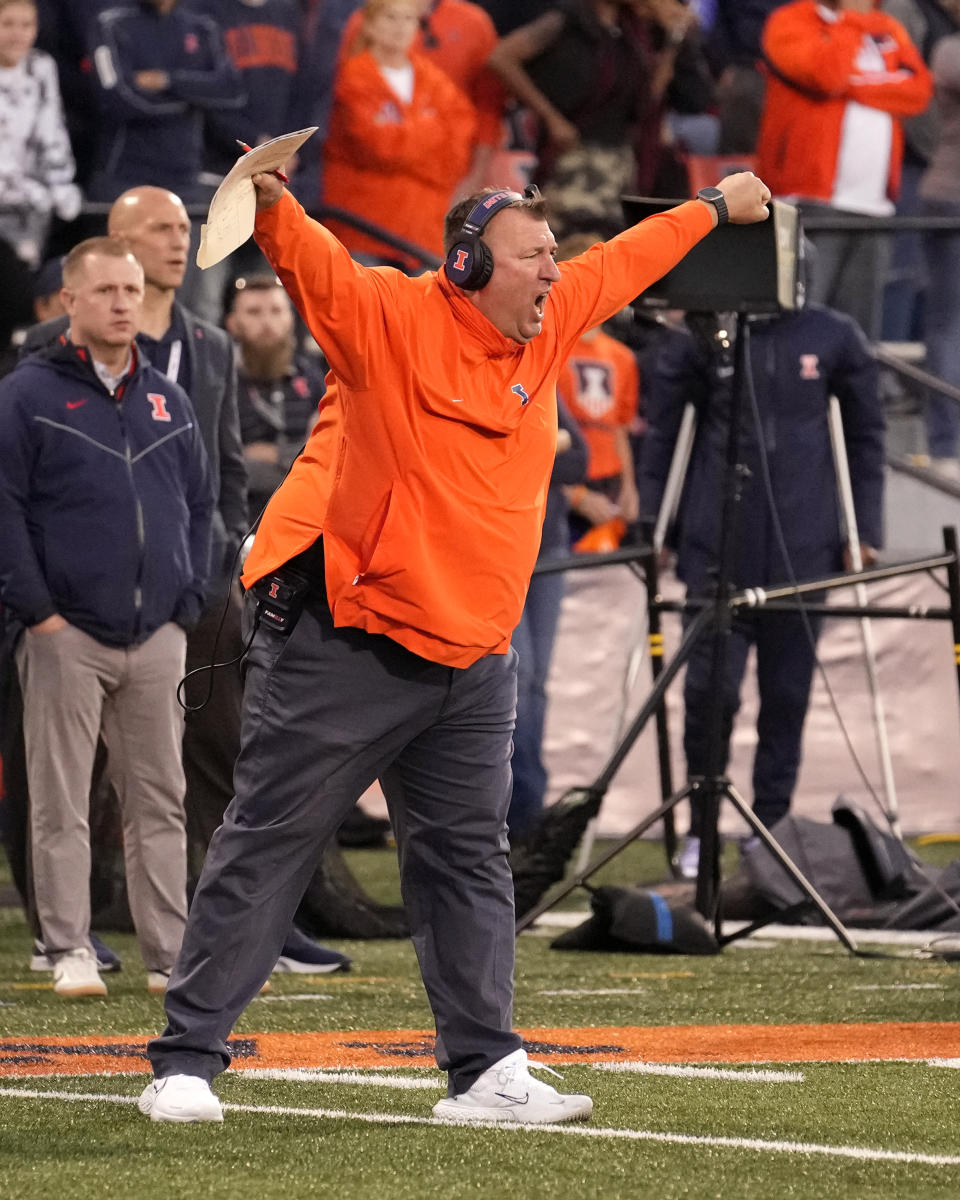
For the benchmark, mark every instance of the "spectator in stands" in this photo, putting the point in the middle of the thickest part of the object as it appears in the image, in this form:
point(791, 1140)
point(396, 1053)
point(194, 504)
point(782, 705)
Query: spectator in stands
point(400, 139)
point(798, 361)
point(508, 15)
point(599, 383)
point(66, 32)
point(842, 79)
point(280, 389)
point(926, 22)
point(938, 192)
point(320, 45)
point(734, 48)
point(16, 316)
point(47, 283)
point(160, 68)
point(689, 92)
point(103, 588)
point(36, 162)
point(261, 40)
point(587, 70)
point(458, 37)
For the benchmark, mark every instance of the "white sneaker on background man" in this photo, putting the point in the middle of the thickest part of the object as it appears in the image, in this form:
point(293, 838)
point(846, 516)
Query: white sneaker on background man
point(75, 974)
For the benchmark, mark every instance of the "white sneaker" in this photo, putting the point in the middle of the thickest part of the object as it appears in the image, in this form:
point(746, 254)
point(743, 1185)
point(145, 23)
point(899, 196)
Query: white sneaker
point(508, 1092)
point(180, 1098)
point(75, 974)
point(688, 860)
point(157, 982)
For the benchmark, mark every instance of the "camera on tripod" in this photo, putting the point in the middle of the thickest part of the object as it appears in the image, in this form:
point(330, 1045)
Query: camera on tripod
point(739, 268)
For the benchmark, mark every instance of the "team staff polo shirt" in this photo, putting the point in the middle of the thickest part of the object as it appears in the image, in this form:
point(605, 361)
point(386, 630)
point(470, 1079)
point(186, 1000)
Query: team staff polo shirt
point(428, 477)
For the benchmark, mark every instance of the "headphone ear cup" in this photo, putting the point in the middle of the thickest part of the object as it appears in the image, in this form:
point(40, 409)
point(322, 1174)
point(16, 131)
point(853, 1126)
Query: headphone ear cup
point(482, 266)
point(460, 263)
point(469, 265)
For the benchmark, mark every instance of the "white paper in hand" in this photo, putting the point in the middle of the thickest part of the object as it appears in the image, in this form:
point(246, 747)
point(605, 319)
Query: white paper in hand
point(234, 204)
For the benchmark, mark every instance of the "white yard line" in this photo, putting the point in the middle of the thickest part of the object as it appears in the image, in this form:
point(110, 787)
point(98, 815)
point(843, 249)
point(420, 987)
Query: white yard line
point(292, 997)
point(305, 1075)
point(860, 1153)
point(898, 987)
point(638, 991)
point(743, 1076)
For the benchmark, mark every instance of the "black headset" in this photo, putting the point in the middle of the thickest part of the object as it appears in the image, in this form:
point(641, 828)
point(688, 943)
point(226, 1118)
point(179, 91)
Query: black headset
point(470, 261)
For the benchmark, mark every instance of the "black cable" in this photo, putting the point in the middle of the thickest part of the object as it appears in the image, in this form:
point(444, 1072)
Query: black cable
point(213, 665)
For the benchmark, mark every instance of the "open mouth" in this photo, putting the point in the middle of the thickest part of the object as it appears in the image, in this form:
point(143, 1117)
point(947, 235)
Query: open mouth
point(540, 302)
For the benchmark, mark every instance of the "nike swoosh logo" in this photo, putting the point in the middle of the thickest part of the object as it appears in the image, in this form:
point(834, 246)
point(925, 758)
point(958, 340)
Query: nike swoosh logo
point(457, 399)
point(514, 1099)
point(75, 403)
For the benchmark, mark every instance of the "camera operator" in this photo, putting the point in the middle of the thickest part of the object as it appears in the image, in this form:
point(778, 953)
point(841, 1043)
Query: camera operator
point(797, 361)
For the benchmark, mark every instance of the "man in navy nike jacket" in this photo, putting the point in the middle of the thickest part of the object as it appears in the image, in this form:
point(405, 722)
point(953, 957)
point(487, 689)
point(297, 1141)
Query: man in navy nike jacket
point(105, 511)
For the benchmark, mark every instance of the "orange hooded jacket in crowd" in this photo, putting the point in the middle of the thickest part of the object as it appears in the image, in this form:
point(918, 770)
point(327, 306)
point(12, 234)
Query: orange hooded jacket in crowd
point(393, 163)
point(458, 38)
point(813, 74)
point(428, 476)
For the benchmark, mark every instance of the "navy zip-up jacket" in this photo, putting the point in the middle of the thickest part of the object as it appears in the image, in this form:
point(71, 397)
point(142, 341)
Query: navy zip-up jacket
point(157, 136)
point(105, 499)
point(798, 360)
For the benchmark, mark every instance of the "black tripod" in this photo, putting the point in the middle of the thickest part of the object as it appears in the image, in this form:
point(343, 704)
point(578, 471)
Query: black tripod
point(576, 808)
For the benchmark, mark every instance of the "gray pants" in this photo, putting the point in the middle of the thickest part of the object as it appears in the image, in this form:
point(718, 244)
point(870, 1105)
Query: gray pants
point(74, 688)
point(326, 712)
point(849, 270)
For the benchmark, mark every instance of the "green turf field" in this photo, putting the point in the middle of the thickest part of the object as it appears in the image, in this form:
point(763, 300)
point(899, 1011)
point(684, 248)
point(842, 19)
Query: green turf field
point(773, 1128)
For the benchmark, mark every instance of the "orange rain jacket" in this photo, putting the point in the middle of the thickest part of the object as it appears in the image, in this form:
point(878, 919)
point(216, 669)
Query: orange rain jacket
point(813, 75)
point(462, 38)
point(393, 163)
point(428, 472)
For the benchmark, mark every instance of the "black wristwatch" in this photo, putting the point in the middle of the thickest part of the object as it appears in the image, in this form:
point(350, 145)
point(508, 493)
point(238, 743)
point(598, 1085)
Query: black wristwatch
point(714, 196)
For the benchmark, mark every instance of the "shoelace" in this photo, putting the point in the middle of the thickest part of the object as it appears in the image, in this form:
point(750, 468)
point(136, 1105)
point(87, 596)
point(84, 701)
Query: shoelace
point(506, 1075)
point(539, 1066)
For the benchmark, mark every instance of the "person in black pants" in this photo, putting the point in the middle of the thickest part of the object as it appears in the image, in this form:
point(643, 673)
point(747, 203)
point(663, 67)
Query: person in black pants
point(798, 360)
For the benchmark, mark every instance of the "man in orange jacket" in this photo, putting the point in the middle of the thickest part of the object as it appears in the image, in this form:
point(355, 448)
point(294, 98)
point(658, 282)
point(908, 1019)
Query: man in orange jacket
point(391, 569)
point(842, 78)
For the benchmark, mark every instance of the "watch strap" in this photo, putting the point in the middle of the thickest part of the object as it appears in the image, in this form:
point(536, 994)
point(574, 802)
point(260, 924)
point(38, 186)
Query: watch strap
point(715, 197)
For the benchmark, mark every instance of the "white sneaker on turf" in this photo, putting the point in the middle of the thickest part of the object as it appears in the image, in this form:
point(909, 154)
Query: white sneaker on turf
point(180, 1098)
point(688, 860)
point(508, 1092)
point(157, 982)
point(75, 974)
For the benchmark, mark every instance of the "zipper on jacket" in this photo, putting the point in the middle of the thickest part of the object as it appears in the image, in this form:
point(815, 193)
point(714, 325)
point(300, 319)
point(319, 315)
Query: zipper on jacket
point(138, 509)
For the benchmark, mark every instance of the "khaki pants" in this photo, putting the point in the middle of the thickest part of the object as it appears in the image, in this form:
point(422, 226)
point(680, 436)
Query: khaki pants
point(74, 688)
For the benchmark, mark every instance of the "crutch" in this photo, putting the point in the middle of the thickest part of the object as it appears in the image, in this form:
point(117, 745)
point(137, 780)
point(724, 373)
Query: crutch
point(673, 488)
point(845, 490)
